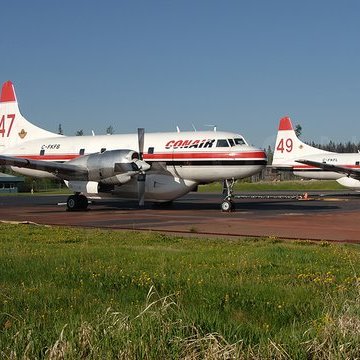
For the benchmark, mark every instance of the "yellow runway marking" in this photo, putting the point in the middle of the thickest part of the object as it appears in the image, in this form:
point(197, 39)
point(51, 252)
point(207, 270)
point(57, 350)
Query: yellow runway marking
point(334, 199)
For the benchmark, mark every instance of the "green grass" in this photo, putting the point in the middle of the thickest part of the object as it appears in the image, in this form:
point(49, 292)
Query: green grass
point(296, 185)
point(80, 293)
point(62, 191)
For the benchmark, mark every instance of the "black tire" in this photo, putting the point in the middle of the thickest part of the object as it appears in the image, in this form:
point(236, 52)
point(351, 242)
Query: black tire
point(72, 203)
point(226, 206)
point(83, 202)
point(77, 202)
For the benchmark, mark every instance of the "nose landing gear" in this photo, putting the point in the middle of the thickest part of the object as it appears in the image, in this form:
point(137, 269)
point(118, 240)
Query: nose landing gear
point(227, 204)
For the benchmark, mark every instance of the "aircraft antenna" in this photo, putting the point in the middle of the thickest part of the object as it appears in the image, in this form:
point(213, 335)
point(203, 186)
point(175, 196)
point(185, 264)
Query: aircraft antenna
point(210, 125)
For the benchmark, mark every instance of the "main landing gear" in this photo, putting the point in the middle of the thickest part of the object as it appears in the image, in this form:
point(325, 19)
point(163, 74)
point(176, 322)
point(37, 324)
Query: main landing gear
point(77, 202)
point(227, 204)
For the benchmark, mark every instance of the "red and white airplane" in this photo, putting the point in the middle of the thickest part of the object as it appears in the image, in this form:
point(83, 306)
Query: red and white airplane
point(158, 167)
point(303, 160)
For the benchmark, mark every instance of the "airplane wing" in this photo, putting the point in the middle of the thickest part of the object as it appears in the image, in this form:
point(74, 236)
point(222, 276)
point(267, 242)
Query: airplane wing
point(61, 170)
point(92, 167)
point(355, 173)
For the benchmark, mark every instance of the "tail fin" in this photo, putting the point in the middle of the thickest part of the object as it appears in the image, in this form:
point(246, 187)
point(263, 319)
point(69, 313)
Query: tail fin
point(14, 128)
point(289, 147)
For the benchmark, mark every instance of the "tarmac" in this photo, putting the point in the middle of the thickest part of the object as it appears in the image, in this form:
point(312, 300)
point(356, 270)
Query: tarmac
point(325, 216)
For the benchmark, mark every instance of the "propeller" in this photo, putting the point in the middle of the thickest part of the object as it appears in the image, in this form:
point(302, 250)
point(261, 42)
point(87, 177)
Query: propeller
point(142, 175)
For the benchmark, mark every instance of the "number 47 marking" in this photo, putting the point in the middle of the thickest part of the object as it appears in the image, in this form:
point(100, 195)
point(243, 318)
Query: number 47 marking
point(2, 125)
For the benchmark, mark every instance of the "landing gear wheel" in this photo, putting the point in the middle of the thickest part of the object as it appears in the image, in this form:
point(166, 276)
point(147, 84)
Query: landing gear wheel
point(77, 202)
point(83, 202)
point(71, 203)
point(227, 206)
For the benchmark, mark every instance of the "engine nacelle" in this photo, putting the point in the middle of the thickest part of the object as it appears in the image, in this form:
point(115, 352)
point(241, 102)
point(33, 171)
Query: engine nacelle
point(349, 182)
point(111, 167)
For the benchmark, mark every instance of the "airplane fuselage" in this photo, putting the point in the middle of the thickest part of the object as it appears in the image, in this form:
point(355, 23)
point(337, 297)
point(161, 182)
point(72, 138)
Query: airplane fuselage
point(179, 160)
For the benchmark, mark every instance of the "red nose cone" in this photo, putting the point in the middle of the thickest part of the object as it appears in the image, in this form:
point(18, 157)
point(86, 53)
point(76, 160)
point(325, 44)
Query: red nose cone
point(7, 92)
point(285, 124)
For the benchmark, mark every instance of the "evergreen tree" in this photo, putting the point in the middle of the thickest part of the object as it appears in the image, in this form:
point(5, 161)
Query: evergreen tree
point(298, 130)
point(110, 130)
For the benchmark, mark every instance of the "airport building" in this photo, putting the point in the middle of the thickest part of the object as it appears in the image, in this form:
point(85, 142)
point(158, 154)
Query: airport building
point(10, 183)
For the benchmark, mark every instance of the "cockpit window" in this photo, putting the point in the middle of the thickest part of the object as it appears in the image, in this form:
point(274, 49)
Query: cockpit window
point(239, 141)
point(222, 143)
point(231, 142)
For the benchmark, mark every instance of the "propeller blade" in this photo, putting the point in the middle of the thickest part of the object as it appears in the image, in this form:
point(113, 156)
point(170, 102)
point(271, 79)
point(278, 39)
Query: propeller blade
point(141, 188)
point(141, 176)
point(141, 134)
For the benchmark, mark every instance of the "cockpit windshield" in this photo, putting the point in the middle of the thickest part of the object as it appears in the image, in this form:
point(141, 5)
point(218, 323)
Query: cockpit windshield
point(231, 142)
point(222, 143)
point(240, 141)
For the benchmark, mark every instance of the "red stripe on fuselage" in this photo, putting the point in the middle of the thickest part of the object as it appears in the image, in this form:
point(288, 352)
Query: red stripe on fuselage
point(305, 167)
point(206, 155)
point(161, 156)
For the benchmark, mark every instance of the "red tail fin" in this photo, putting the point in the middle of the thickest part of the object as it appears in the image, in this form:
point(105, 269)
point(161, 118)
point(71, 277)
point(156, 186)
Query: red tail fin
point(285, 124)
point(7, 92)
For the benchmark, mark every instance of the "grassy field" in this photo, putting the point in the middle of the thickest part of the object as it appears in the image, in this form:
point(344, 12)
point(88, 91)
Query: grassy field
point(296, 185)
point(90, 294)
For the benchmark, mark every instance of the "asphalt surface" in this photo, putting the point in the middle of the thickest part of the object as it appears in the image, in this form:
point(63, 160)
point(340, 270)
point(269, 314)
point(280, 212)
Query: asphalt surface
point(327, 216)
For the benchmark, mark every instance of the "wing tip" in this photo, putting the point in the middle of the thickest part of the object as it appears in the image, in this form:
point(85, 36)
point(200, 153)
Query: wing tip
point(7, 92)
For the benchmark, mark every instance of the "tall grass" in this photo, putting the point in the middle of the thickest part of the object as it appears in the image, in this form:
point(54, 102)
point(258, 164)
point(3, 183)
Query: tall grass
point(90, 294)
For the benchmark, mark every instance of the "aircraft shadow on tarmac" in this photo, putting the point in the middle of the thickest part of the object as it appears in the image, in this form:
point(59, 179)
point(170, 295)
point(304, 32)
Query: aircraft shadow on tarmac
point(258, 206)
point(203, 203)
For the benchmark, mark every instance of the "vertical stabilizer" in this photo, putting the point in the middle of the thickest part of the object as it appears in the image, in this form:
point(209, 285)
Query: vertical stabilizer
point(289, 147)
point(14, 128)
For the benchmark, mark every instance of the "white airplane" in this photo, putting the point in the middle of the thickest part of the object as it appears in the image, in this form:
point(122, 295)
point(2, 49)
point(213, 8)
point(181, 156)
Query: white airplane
point(159, 167)
point(303, 160)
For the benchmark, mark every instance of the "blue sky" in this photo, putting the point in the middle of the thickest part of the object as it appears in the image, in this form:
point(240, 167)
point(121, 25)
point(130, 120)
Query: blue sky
point(160, 64)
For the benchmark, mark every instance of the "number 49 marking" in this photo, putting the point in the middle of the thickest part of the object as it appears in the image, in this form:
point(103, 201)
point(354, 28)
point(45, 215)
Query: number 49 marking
point(285, 145)
point(3, 124)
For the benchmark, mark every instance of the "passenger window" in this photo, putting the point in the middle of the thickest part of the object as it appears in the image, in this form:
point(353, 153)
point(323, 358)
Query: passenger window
point(222, 143)
point(357, 163)
point(103, 150)
point(82, 152)
point(42, 152)
point(150, 150)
